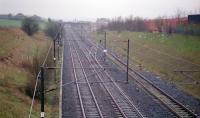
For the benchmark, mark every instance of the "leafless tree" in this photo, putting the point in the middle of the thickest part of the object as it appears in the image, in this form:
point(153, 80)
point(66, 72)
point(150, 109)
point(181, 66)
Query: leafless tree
point(179, 14)
point(160, 21)
point(129, 23)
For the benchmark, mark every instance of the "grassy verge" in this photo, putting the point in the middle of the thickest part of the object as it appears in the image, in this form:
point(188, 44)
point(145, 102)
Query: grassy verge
point(17, 53)
point(161, 54)
point(52, 77)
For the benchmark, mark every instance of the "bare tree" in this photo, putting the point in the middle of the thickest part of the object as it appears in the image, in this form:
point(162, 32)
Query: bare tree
point(179, 14)
point(139, 24)
point(129, 23)
point(160, 21)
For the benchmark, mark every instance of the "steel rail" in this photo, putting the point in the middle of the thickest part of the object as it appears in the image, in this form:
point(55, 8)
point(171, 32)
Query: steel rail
point(86, 77)
point(78, 89)
point(120, 90)
point(108, 90)
point(61, 82)
point(163, 93)
point(91, 91)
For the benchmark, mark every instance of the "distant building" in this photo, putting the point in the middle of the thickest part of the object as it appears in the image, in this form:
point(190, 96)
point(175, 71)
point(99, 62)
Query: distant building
point(151, 26)
point(165, 24)
point(101, 22)
point(194, 19)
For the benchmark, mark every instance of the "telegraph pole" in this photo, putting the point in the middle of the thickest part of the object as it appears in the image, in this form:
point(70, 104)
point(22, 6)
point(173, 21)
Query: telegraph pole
point(54, 49)
point(42, 92)
point(127, 63)
point(105, 50)
point(59, 39)
point(58, 52)
point(81, 32)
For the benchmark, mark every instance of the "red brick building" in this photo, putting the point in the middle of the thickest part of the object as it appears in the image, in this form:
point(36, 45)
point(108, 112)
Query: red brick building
point(157, 25)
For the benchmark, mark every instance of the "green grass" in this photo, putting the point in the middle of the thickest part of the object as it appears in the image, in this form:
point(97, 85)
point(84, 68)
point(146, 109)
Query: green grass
point(161, 54)
point(10, 23)
point(17, 23)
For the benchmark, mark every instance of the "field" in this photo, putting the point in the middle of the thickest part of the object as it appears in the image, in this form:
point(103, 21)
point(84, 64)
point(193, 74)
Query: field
point(17, 23)
point(162, 54)
point(10, 23)
point(17, 53)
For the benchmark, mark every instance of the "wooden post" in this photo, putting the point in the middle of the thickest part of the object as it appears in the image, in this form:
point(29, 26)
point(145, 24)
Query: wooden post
point(127, 63)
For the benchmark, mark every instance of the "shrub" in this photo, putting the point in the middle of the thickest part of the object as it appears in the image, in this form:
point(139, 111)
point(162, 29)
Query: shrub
point(33, 66)
point(30, 26)
point(54, 29)
point(30, 86)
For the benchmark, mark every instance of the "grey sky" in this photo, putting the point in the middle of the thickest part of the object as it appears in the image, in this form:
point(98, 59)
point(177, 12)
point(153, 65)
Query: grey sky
point(92, 9)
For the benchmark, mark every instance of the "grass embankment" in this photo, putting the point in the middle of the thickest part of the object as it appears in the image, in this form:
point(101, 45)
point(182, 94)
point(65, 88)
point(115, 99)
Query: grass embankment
point(161, 54)
point(17, 23)
point(17, 52)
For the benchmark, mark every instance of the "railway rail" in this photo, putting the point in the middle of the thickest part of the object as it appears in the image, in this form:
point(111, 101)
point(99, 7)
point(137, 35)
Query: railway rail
point(121, 104)
point(172, 104)
point(177, 108)
point(88, 102)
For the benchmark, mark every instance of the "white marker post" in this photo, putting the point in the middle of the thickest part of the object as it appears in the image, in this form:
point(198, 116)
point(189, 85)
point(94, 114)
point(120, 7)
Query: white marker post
point(42, 114)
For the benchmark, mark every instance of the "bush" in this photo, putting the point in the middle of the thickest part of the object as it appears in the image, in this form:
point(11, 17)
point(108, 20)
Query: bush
point(30, 86)
point(30, 26)
point(54, 29)
point(51, 29)
point(33, 66)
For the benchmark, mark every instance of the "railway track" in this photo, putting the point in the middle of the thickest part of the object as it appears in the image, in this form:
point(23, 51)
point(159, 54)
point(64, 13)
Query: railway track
point(121, 104)
point(178, 109)
point(87, 100)
point(172, 104)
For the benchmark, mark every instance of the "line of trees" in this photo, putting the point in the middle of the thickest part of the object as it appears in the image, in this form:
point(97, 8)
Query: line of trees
point(177, 24)
point(54, 29)
point(129, 24)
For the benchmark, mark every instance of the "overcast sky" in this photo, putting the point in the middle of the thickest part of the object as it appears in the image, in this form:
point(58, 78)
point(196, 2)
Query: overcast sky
point(92, 9)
